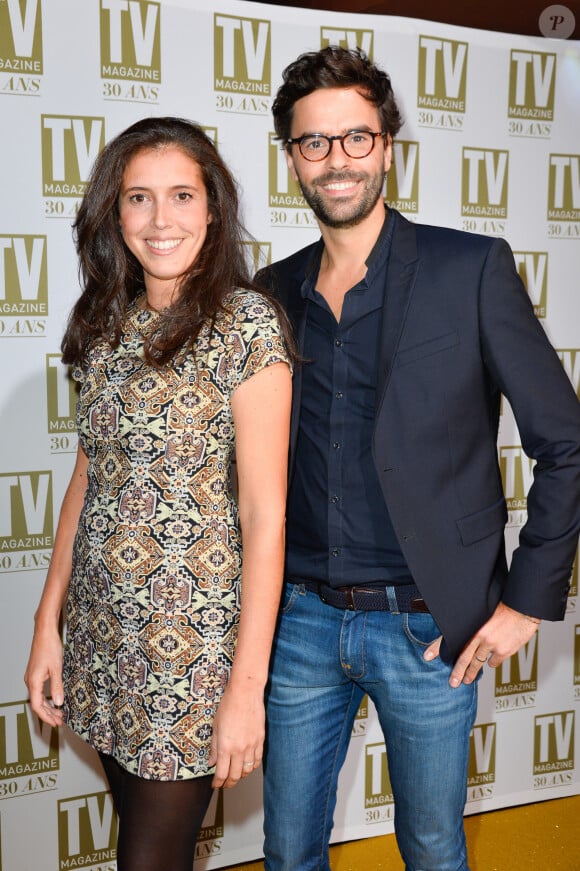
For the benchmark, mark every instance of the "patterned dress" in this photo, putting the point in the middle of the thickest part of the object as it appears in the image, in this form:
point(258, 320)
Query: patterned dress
point(153, 603)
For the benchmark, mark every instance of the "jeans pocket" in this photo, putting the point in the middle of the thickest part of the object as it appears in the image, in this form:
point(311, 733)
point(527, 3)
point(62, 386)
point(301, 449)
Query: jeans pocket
point(289, 597)
point(421, 629)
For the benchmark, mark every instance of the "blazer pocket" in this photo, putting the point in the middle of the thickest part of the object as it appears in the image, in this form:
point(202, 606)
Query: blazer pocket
point(475, 527)
point(426, 349)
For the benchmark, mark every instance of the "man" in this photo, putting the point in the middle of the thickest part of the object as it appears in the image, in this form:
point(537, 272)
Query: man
point(397, 581)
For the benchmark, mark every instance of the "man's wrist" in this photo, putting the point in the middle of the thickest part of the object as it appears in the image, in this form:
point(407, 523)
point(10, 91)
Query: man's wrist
point(535, 620)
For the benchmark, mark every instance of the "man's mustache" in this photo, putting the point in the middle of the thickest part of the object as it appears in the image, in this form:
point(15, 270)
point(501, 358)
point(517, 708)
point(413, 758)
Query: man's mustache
point(330, 177)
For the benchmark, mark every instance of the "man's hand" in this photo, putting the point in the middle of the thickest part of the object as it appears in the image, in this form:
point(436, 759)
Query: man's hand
point(498, 639)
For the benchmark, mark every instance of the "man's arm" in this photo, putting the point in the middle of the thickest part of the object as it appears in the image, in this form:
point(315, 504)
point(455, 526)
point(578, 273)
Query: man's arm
point(527, 370)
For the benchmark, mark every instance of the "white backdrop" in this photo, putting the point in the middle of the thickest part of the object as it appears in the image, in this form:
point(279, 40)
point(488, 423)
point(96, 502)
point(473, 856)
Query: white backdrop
point(490, 144)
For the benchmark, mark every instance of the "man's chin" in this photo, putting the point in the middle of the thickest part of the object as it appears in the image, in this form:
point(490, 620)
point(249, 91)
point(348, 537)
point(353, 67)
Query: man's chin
point(340, 218)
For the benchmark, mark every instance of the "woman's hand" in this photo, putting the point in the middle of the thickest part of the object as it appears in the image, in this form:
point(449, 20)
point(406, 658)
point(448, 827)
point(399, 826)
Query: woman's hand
point(238, 735)
point(45, 664)
point(45, 661)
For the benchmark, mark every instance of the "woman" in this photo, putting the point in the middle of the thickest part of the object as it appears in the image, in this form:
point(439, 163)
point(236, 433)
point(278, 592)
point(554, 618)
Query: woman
point(179, 358)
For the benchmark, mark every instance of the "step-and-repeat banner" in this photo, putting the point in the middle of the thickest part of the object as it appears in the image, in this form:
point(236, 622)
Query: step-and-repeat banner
point(490, 144)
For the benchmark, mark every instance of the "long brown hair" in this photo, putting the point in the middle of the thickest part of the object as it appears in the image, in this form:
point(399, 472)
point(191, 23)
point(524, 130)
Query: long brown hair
point(111, 276)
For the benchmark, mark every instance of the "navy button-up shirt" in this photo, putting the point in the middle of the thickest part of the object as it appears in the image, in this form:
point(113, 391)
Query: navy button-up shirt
point(339, 530)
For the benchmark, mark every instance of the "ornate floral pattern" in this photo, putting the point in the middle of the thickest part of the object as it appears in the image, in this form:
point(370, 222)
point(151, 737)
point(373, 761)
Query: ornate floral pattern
point(154, 597)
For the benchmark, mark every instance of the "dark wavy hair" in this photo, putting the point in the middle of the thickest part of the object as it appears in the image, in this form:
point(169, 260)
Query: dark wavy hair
point(111, 276)
point(334, 67)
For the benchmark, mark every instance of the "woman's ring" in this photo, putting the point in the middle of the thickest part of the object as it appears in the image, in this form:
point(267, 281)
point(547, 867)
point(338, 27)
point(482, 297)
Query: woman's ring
point(481, 660)
point(248, 763)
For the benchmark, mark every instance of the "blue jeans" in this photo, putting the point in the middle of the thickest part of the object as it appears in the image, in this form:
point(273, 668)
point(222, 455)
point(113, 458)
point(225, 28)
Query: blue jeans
point(324, 661)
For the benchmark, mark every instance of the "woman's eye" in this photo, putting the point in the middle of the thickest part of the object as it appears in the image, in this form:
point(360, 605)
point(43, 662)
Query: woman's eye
point(183, 196)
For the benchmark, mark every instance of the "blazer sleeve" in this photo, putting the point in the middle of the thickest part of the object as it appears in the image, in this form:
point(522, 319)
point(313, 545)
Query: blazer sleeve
point(528, 371)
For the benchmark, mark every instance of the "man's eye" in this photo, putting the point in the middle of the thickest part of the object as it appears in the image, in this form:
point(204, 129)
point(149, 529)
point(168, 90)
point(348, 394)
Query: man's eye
point(313, 144)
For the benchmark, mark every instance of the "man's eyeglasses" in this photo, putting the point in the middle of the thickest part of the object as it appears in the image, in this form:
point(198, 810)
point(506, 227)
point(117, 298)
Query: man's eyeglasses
point(355, 143)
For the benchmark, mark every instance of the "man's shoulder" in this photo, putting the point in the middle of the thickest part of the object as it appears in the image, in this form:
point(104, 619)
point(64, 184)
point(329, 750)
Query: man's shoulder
point(437, 235)
point(282, 273)
point(296, 262)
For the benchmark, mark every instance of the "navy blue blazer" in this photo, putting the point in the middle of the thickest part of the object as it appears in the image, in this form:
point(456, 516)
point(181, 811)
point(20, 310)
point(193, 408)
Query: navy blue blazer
point(458, 330)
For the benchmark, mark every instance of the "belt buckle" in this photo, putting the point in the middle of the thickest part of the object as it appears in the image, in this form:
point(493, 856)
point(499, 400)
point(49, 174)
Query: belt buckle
point(349, 601)
point(348, 595)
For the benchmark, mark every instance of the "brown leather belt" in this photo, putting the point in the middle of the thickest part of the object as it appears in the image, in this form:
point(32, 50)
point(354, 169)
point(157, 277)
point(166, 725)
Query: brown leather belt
point(407, 597)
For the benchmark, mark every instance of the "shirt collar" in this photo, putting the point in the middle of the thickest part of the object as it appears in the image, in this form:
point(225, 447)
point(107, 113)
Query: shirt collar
point(375, 261)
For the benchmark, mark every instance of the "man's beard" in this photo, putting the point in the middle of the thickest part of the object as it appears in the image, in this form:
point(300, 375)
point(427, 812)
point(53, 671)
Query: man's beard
point(340, 214)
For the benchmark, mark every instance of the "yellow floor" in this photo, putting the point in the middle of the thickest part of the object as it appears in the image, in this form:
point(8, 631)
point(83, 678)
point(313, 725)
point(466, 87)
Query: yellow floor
point(534, 837)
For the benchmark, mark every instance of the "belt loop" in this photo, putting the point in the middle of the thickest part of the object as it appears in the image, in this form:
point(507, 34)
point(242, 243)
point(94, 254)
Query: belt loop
point(392, 599)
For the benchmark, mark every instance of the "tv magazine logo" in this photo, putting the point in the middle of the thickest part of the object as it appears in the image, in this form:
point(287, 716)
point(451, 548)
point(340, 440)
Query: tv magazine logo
point(516, 679)
point(570, 359)
point(23, 286)
point(258, 254)
point(484, 189)
point(517, 475)
point(360, 725)
point(403, 177)
point(379, 801)
point(564, 196)
point(21, 56)
point(211, 133)
point(26, 521)
point(349, 39)
point(61, 398)
point(481, 767)
point(87, 832)
point(70, 145)
point(554, 751)
point(209, 842)
point(531, 97)
point(577, 662)
point(442, 82)
point(130, 33)
point(29, 752)
point(532, 267)
point(242, 64)
point(288, 208)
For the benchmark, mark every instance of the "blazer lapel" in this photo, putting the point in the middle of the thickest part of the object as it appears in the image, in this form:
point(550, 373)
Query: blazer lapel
point(295, 305)
point(401, 273)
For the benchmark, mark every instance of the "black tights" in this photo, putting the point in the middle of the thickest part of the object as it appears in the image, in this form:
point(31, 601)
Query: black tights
point(159, 821)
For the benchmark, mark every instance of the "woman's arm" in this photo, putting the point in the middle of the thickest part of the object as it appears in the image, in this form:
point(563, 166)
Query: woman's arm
point(261, 410)
point(45, 661)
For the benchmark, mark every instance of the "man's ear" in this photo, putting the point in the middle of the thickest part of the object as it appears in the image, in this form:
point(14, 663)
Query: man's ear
point(388, 157)
point(290, 162)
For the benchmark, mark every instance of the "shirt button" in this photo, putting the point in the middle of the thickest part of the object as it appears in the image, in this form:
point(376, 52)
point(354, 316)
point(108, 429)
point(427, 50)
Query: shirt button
point(335, 552)
point(336, 445)
point(338, 343)
point(334, 499)
point(338, 394)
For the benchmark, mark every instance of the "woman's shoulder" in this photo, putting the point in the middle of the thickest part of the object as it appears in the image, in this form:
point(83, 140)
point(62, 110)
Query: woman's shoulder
point(243, 305)
point(243, 298)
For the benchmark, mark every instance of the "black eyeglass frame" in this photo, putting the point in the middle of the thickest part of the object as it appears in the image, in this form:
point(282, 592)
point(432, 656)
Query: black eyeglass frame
point(330, 139)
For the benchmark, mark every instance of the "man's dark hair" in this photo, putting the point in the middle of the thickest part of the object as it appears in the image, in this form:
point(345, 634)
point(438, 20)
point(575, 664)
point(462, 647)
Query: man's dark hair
point(335, 67)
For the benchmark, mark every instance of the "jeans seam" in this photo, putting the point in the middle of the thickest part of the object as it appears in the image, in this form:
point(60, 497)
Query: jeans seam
point(323, 843)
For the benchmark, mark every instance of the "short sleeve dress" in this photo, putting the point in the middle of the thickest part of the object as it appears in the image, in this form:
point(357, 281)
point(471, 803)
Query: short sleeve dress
point(153, 603)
